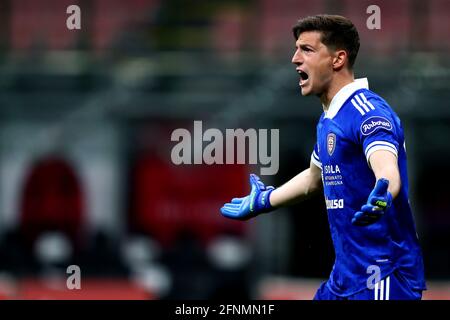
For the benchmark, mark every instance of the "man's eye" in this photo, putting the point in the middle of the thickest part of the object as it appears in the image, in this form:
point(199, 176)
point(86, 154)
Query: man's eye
point(305, 49)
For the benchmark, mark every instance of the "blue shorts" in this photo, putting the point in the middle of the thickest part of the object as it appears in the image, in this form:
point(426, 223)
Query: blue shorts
point(393, 287)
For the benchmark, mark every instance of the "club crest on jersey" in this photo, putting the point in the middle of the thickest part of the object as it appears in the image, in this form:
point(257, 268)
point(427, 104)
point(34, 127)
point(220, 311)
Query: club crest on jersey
point(373, 124)
point(331, 143)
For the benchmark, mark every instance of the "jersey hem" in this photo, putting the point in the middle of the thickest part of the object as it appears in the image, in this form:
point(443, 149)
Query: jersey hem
point(345, 295)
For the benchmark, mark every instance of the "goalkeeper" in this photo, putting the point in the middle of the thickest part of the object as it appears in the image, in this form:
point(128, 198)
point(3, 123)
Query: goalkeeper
point(359, 163)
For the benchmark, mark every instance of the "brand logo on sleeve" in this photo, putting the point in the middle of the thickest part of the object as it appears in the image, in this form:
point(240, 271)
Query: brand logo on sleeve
point(373, 124)
point(331, 143)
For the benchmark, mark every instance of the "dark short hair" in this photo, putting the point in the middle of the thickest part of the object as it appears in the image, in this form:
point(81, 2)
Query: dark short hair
point(337, 33)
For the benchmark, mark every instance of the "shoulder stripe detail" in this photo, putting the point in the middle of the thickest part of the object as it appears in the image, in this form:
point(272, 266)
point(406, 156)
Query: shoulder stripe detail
point(363, 97)
point(357, 107)
point(361, 103)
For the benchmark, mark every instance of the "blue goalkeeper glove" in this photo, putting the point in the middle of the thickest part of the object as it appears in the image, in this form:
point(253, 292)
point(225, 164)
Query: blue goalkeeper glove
point(378, 203)
point(255, 203)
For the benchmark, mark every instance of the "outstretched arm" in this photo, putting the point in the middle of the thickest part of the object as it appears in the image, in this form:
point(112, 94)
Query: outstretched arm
point(299, 188)
point(264, 198)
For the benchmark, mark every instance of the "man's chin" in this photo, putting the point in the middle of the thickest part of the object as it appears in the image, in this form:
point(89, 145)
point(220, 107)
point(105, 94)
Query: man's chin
point(305, 91)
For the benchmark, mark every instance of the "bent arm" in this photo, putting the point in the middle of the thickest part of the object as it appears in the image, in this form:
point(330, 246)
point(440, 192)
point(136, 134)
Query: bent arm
point(299, 188)
point(384, 165)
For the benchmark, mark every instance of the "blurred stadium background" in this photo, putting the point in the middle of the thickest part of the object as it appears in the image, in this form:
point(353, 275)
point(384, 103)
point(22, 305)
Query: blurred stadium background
point(86, 117)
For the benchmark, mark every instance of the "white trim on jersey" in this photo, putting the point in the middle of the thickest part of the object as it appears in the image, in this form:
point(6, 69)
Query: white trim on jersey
point(363, 97)
point(380, 142)
point(316, 161)
point(376, 291)
point(361, 104)
point(315, 155)
point(388, 285)
point(376, 148)
point(343, 94)
point(380, 145)
point(358, 107)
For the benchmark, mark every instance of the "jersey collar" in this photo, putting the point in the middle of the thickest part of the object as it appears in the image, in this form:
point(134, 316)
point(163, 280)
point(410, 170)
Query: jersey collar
point(342, 95)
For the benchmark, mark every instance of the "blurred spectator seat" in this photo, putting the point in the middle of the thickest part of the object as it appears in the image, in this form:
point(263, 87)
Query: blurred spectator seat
point(168, 200)
point(52, 201)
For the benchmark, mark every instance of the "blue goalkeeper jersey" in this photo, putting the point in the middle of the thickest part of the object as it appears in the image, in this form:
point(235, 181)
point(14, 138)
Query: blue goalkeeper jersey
point(358, 123)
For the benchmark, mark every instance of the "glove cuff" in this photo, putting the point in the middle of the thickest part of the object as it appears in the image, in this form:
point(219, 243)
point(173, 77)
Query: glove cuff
point(390, 199)
point(264, 201)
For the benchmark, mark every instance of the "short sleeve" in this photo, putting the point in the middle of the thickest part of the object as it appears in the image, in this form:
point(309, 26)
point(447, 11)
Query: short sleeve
point(315, 156)
point(375, 126)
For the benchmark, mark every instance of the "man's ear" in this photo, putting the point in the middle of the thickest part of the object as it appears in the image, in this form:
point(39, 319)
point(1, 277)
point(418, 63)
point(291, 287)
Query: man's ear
point(339, 59)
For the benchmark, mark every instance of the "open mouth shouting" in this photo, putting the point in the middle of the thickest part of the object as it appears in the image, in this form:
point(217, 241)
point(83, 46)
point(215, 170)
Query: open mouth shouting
point(303, 77)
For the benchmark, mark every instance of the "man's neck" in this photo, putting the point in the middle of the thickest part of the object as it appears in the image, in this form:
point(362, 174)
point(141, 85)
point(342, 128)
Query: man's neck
point(336, 84)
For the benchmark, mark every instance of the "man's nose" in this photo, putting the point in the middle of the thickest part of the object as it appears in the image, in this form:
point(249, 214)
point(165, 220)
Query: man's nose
point(297, 59)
